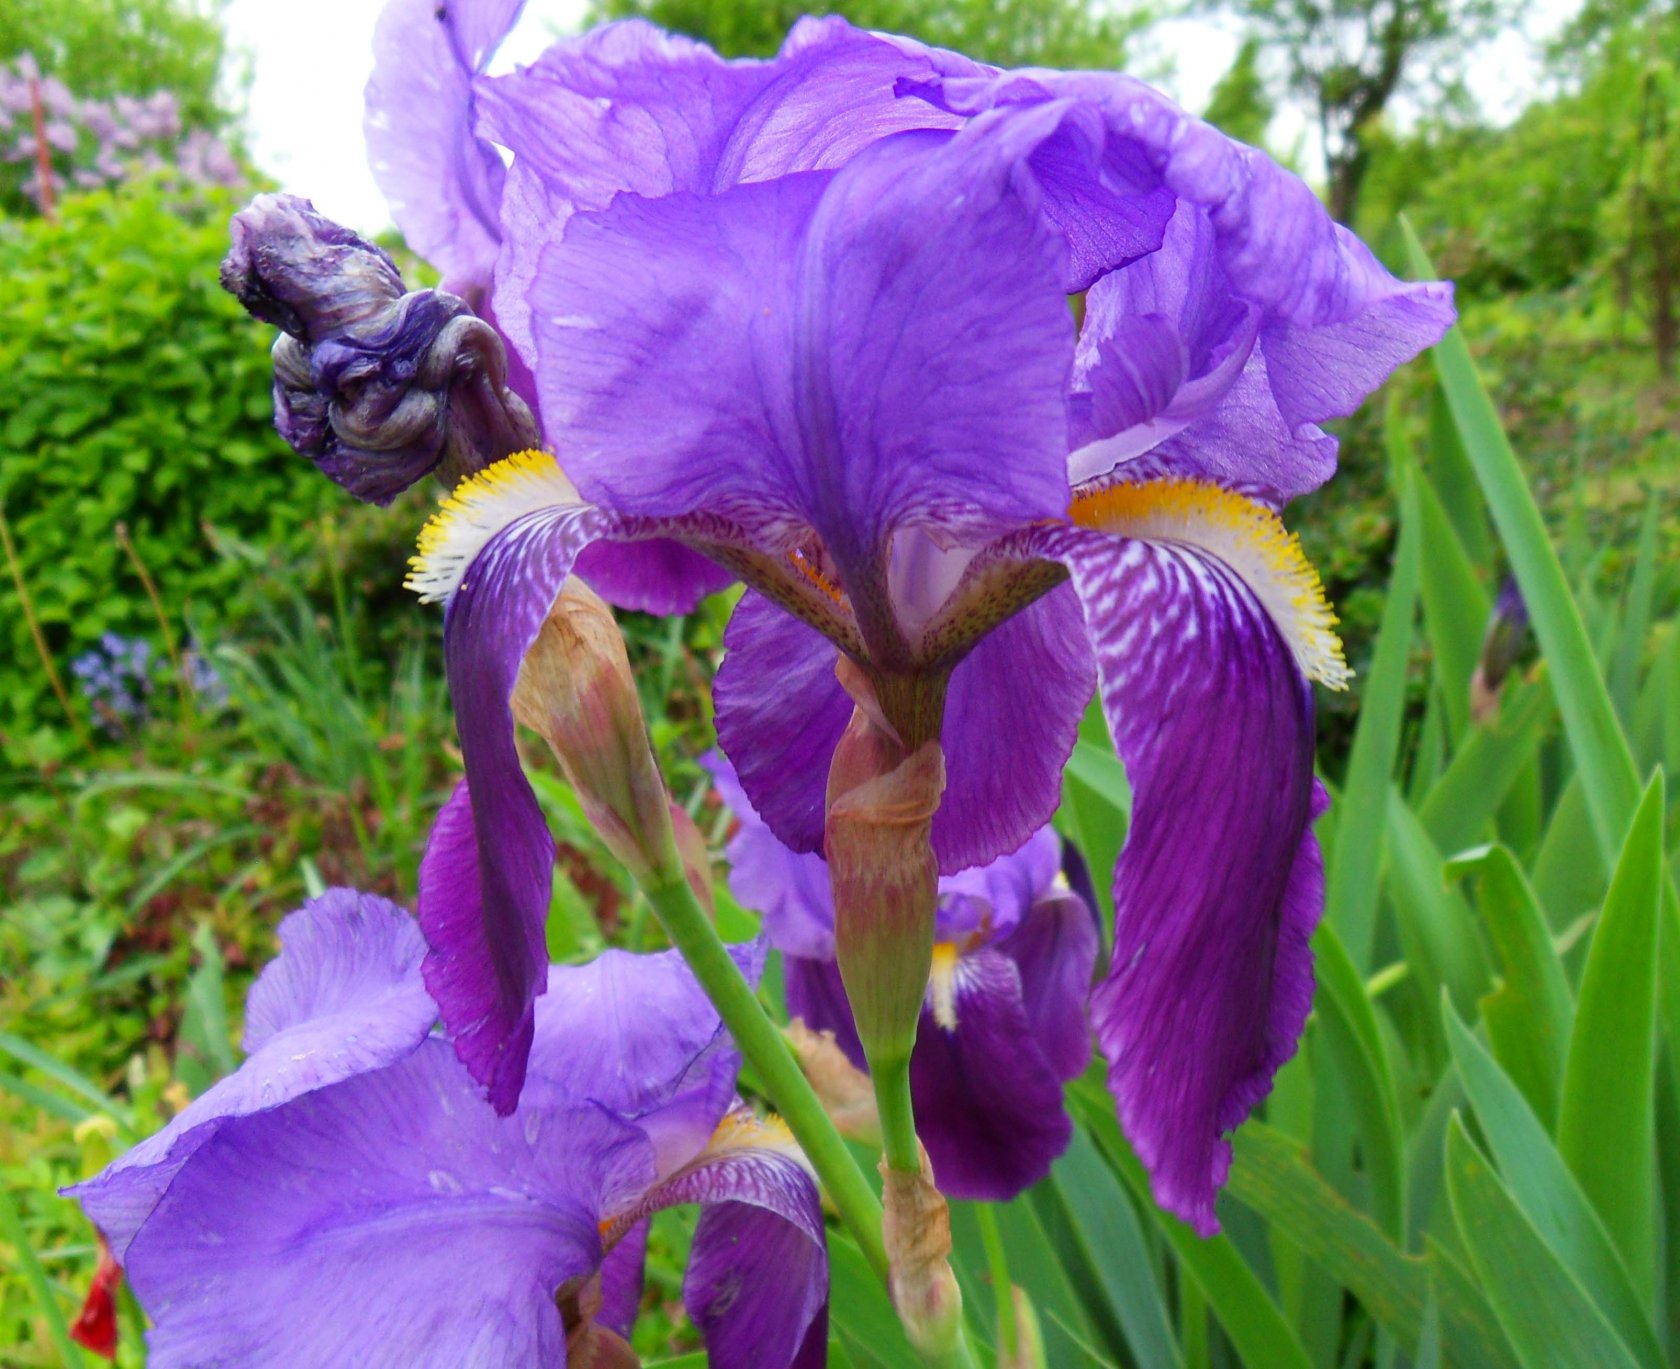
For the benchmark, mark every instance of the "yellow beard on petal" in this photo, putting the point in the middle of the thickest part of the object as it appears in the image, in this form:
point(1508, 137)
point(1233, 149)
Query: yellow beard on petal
point(1248, 537)
point(481, 506)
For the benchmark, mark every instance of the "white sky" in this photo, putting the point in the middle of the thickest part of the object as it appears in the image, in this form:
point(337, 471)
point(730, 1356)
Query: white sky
point(309, 60)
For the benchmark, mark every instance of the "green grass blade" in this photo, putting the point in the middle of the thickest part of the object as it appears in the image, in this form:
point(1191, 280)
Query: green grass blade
point(1605, 1122)
point(1530, 1015)
point(58, 1331)
point(1595, 735)
point(1455, 605)
point(71, 1080)
point(1099, 1217)
point(1544, 1189)
point(1543, 1310)
point(1263, 1339)
point(1436, 923)
point(860, 1312)
point(1356, 1046)
point(1485, 768)
point(1351, 894)
point(1636, 621)
point(1273, 1175)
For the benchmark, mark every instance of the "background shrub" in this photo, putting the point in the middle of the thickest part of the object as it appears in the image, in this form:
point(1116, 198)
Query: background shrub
point(136, 392)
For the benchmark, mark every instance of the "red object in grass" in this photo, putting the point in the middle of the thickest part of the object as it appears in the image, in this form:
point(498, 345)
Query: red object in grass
point(96, 1326)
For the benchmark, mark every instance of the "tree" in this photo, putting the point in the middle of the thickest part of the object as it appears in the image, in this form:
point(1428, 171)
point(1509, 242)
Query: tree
point(1348, 59)
point(101, 48)
point(1060, 33)
point(1239, 104)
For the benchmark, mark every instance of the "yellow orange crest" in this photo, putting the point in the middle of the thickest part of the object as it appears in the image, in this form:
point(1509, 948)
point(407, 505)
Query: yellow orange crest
point(1248, 537)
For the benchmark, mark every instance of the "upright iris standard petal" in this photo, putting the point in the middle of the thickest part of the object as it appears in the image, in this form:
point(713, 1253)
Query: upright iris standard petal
point(627, 108)
point(879, 376)
point(345, 996)
point(1204, 685)
point(443, 183)
point(392, 1219)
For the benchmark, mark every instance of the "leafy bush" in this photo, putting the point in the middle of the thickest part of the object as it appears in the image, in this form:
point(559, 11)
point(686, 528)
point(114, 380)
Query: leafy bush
point(137, 394)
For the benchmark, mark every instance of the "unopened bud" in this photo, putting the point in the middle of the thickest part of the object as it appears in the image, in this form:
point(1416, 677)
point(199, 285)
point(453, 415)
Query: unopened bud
point(376, 385)
point(884, 879)
point(575, 689)
point(1501, 645)
point(916, 1227)
point(1028, 1350)
point(844, 1090)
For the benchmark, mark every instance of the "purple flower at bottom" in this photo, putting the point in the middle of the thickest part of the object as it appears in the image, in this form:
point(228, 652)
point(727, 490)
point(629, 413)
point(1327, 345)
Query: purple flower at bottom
point(1003, 1026)
point(348, 1197)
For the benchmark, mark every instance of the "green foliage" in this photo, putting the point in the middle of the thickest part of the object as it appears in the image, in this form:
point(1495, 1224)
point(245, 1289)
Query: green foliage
point(1347, 60)
point(137, 394)
point(1057, 33)
point(1240, 104)
point(101, 48)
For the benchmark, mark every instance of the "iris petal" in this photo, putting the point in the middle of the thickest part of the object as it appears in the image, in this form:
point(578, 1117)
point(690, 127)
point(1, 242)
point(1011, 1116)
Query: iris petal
point(1215, 893)
point(395, 1182)
point(344, 996)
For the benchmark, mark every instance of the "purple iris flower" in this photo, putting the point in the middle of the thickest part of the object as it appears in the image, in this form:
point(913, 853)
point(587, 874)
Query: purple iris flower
point(347, 1196)
point(1004, 1024)
point(809, 317)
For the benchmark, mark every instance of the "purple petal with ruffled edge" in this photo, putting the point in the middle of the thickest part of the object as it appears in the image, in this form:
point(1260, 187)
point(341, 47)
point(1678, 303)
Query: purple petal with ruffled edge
point(1332, 322)
point(414, 1225)
point(344, 996)
point(1011, 718)
point(881, 374)
point(442, 182)
point(1215, 893)
point(660, 576)
point(637, 1034)
point(486, 876)
point(628, 108)
point(757, 1278)
point(1055, 950)
point(988, 1106)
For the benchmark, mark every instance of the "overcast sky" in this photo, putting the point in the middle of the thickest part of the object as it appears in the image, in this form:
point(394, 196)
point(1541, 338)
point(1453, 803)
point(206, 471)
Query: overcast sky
point(310, 59)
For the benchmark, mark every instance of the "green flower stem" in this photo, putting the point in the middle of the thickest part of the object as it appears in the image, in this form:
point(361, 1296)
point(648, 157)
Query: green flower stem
point(1002, 1287)
point(761, 1043)
point(891, 1078)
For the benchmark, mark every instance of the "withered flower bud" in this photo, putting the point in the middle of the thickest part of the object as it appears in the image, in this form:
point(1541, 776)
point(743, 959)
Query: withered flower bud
point(916, 1226)
point(846, 1094)
point(376, 385)
point(576, 690)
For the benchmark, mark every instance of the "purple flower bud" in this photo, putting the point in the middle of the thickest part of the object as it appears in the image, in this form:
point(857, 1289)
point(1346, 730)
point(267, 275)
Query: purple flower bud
point(376, 386)
point(1501, 645)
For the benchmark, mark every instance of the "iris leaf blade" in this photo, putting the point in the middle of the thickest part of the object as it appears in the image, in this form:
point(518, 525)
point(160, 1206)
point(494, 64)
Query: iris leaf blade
point(1596, 738)
point(1546, 1314)
point(1263, 1338)
point(1351, 895)
point(1605, 1121)
point(1545, 1190)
